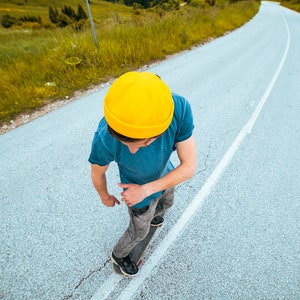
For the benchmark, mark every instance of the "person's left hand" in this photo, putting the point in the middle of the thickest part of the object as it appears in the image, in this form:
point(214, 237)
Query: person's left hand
point(133, 194)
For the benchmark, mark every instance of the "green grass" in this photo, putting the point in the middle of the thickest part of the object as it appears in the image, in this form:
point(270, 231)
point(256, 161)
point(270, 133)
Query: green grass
point(39, 65)
point(292, 4)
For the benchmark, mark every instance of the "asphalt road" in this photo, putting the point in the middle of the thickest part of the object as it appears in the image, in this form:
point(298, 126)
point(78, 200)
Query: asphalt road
point(233, 232)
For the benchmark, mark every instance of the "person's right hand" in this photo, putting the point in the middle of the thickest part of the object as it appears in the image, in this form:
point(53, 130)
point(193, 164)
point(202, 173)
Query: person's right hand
point(110, 201)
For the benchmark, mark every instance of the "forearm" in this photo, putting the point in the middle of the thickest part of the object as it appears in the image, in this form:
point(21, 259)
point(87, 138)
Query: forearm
point(173, 178)
point(100, 184)
point(99, 181)
point(186, 152)
point(135, 193)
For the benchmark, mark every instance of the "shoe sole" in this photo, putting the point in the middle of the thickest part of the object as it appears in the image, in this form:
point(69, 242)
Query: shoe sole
point(157, 225)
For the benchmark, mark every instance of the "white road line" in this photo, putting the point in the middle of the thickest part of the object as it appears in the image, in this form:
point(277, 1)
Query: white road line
point(265, 96)
point(105, 290)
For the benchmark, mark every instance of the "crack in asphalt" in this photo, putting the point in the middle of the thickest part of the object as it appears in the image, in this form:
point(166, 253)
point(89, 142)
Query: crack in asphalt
point(83, 279)
point(198, 172)
point(205, 166)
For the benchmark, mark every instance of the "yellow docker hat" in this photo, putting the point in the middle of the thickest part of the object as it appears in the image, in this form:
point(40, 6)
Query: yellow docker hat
point(139, 105)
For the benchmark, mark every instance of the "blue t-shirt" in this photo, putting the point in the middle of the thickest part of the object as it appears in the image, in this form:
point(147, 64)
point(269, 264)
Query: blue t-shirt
point(148, 163)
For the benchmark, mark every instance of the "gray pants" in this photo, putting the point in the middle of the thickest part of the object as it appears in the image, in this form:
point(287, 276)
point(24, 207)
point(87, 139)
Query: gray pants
point(140, 220)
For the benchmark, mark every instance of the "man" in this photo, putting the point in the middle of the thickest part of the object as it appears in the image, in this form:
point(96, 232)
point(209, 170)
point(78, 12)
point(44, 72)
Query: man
point(143, 124)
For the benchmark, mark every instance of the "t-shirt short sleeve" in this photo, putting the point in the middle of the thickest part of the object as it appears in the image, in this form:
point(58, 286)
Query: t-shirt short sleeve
point(102, 144)
point(184, 118)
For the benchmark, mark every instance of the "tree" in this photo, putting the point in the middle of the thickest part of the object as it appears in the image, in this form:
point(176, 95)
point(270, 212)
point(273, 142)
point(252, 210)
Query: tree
point(69, 11)
point(30, 19)
point(81, 14)
point(53, 15)
point(63, 20)
point(7, 21)
point(128, 2)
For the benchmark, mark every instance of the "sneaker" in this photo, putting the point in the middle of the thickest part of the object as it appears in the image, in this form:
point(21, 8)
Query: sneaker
point(157, 221)
point(127, 266)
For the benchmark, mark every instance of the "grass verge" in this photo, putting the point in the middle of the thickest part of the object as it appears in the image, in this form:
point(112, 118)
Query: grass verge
point(38, 66)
